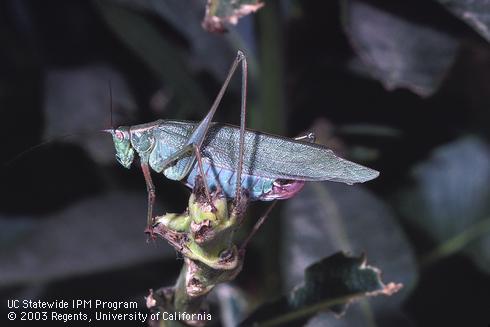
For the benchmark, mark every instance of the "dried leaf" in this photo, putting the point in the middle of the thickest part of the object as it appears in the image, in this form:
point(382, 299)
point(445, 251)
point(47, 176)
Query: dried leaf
point(222, 12)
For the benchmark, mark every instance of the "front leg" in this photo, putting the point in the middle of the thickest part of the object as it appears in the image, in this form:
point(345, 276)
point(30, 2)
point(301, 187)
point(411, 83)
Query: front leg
point(197, 152)
point(187, 153)
point(190, 160)
point(150, 188)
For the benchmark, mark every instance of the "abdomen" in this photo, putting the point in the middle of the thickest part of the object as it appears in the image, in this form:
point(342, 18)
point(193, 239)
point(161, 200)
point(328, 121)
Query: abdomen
point(258, 188)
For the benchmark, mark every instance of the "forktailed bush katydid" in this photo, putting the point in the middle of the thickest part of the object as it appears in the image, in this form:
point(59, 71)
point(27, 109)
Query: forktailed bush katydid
point(231, 158)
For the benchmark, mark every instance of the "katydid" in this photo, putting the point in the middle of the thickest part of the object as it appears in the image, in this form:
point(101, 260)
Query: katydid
point(231, 158)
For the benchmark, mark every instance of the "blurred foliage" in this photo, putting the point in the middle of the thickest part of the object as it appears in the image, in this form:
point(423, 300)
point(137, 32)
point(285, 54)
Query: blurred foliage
point(220, 12)
point(143, 37)
point(446, 201)
point(67, 254)
point(403, 86)
point(474, 13)
point(336, 217)
point(410, 55)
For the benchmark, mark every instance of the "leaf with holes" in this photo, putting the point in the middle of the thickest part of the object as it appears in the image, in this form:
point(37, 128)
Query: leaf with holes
point(329, 285)
point(328, 217)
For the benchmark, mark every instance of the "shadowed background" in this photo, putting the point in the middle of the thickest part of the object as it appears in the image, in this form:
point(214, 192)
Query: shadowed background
point(401, 87)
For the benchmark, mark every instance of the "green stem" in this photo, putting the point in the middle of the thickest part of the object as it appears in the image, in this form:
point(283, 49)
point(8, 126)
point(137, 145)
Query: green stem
point(367, 310)
point(204, 238)
point(183, 302)
point(271, 118)
point(272, 115)
point(456, 243)
point(308, 311)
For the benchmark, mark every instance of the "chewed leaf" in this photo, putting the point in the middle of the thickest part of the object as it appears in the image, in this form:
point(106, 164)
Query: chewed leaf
point(330, 285)
point(322, 220)
point(475, 13)
point(221, 12)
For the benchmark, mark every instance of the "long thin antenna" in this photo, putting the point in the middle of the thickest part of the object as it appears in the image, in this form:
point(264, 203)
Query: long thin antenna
point(110, 99)
point(243, 116)
point(43, 143)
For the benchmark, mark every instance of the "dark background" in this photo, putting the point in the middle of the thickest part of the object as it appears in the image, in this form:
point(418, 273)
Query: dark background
point(402, 87)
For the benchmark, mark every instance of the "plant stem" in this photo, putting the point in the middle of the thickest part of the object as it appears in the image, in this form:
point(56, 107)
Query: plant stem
point(204, 237)
point(457, 242)
point(271, 118)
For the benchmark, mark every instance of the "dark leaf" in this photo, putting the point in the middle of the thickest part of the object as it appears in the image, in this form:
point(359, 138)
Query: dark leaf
point(398, 52)
point(77, 103)
point(475, 13)
point(94, 235)
point(208, 51)
point(161, 56)
point(330, 284)
point(329, 217)
point(451, 199)
point(325, 218)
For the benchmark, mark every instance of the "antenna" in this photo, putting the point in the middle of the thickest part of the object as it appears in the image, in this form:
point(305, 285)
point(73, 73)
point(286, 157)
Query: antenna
point(43, 143)
point(50, 140)
point(110, 99)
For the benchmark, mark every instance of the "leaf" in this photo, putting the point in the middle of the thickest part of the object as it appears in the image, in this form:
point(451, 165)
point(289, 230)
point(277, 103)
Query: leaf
point(209, 52)
point(325, 218)
point(476, 13)
point(330, 284)
point(232, 304)
point(451, 198)
point(329, 217)
point(358, 316)
point(77, 102)
point(222, 12)
point(398, 52)
point(161, 56)
point(94, 235)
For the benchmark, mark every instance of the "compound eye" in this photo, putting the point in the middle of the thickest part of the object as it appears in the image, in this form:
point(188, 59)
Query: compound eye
point(119, 135)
